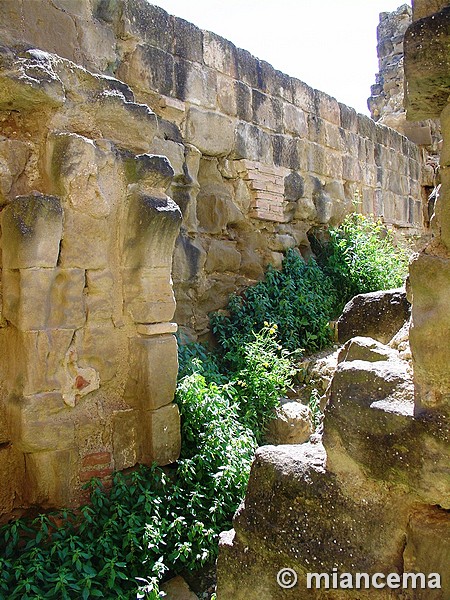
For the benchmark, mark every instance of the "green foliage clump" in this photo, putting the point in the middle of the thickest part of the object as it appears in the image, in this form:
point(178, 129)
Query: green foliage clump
point(299, 299)
point(360, 257)
point(153, 520)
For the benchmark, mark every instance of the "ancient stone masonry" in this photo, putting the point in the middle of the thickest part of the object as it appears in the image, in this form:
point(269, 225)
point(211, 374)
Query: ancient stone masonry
point(259, 158)
point(108, 110)
point(88, 355)
point(386, 103)
point(375, 496)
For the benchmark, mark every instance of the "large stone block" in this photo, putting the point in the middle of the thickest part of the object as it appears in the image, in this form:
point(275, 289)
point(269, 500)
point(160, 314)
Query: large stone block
point(126, 438)
point(101, 348)
point(189, 259)
point(269, 536)
point(61, 298)
point(422, 554)
point(223, 256)
point(274, 82)
point(234, 98)
point(153, 372)
point(150, 23)
point(212, 133)
point(267, 111)
point(37, 360)
point(12, 468)
point(151, 171)
point(252, 143)
point(50, 478)
point(31, 232)
point(29, 82)
point(377, 314)
point(294, 120)
point(101, 296)
point(215, 208)
point(188, 40)
point(175, 152)
point(152, 225)
point(220, 54)
point(14, 155)
point(149, 68)
point(148, 294)
point(87, 241)
point(195, 84)
point(427, 75)
point(430, 327)
point(83, 173)
point(162, 438)
point(41, 422)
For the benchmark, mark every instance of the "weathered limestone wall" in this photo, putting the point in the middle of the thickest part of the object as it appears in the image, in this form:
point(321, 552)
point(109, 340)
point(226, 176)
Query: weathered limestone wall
point(387, 101)
point(88, 355)
point(259, 157)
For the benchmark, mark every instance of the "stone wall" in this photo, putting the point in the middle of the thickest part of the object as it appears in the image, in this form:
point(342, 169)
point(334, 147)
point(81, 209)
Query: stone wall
point(96, 98)
point(259, 157)
point(89, 359)
point(386, 104)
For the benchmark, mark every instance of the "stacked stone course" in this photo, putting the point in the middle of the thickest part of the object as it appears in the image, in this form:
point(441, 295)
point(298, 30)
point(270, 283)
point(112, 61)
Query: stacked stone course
point(218, 109)
point(87, 241)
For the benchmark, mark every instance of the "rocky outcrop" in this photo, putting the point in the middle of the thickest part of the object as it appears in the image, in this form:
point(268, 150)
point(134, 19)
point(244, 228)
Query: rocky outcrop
point(351, 504)
point(379, 315)
point(292, 423)
point(259, 157)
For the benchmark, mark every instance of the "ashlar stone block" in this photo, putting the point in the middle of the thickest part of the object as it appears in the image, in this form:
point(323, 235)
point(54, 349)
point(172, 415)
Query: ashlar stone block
point(150, 358)
point(148, 294)
point(41, 422)
point(212, 133)
point(35, 299)
point(50, 477)
point(126, 438)
point(31, 232)
point(36, 360)
point(152, 225)
point(162, 438)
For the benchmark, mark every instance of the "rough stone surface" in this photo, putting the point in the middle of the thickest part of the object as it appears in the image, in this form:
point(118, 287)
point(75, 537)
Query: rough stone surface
point(375, 497)
point(90, 117)
point(87, 236)
point(292, 424)
point(195, 98)
point(378, 314)
point(177, 589)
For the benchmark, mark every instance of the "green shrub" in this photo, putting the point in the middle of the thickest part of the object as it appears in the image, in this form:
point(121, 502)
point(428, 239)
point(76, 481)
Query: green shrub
point(360, 257)
point(299, 299)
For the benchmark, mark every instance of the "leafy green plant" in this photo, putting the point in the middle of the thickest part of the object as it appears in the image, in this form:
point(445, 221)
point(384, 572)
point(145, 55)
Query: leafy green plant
point(314, 405)
point(155, 521)
point(299, 299)
point(359, 257)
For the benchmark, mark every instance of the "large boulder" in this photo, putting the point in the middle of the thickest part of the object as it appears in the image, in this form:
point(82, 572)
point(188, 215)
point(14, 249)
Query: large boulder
point(292, 423)
point(378, 315)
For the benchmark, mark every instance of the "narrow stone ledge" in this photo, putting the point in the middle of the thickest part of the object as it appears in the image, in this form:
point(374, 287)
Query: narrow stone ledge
point(157, 328)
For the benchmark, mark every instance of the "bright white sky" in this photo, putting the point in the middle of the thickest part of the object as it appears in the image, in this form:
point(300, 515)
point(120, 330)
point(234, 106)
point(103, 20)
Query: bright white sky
point(329, 44)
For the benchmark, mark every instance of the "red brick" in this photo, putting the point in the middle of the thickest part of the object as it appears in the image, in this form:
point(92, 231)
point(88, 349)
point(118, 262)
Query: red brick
point(97, 458)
